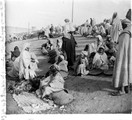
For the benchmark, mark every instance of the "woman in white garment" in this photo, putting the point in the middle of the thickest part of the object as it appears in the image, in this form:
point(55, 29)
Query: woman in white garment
point(25, 65)
point(102, 31)
point(116, 27)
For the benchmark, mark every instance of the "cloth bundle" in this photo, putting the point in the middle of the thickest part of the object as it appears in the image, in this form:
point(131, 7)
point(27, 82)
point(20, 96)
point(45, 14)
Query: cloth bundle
point(30, 103)
point(25, 86)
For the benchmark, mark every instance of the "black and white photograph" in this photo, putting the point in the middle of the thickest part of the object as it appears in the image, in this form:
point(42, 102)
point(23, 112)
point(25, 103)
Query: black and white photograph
point(67, 57)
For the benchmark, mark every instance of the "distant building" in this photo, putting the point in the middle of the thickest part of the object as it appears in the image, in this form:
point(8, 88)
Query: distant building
point(14, 30)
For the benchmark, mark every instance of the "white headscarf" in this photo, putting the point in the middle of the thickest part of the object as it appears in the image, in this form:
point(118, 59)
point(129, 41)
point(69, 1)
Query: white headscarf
point(26, 45)
point(67, 28)
point(24, 61)
point(100, 38)
point(92, 48)
point(84, 53)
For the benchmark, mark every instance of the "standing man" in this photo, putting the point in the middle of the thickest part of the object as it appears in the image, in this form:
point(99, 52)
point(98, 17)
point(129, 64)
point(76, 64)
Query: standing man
point(122, 76)
point(69, 42)
point(116, 28)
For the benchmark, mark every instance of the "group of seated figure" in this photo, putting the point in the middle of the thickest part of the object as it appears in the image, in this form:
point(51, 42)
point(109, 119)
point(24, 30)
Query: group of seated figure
point(95, 56)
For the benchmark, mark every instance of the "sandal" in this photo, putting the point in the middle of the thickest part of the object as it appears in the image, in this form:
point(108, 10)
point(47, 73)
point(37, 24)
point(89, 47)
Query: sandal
point(117, 93)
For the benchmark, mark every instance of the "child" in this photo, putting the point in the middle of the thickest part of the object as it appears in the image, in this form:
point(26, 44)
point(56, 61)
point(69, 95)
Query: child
point(100, 60)
point(86, 51)
point(83, 64)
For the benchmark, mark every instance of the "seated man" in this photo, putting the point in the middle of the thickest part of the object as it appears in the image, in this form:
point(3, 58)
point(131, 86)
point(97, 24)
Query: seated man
point(100, 60)
point(111, 50)
point(53, 83)
point(44, 49)
point(53, 55)
point(15, 53)
point(52, 89)
point(62, 66)
point(111, 53)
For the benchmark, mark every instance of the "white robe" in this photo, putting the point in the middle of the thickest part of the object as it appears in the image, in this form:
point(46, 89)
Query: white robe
point(26, 67)
point(67, 28)
point(82, 67)
point(116, 29)
point(52, 84)
point(100, 61)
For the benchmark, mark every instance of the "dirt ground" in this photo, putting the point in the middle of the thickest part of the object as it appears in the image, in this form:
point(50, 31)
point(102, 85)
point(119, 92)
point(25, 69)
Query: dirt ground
point(91, 93)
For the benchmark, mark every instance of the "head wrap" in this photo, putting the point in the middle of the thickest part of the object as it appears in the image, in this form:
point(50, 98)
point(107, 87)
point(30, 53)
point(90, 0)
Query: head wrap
point(114, 15)
point(26, 45)
point(67, 20)
point(84, 53)
point(128, 15)
point(16, 48)
point(100, 38)
point(54, 68)
point(101, 47)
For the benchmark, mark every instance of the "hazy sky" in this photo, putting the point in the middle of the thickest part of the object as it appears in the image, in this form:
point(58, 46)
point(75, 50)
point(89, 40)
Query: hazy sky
point(41, 13)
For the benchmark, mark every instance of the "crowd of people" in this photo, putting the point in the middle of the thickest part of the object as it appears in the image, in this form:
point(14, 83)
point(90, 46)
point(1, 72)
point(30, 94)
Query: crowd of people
point(110, 27)
point(112, 51)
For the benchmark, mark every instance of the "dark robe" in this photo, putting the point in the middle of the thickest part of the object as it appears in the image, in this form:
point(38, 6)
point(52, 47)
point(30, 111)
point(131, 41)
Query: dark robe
point(68, 46)
point(15, 53)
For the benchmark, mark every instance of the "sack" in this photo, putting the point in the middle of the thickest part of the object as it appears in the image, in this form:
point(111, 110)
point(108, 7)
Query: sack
point(62, 97)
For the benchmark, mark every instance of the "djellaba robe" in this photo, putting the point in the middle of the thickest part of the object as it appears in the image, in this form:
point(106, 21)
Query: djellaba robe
point(122, 75)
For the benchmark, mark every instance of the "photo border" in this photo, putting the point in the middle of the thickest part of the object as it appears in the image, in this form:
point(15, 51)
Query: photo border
point(3, 114)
